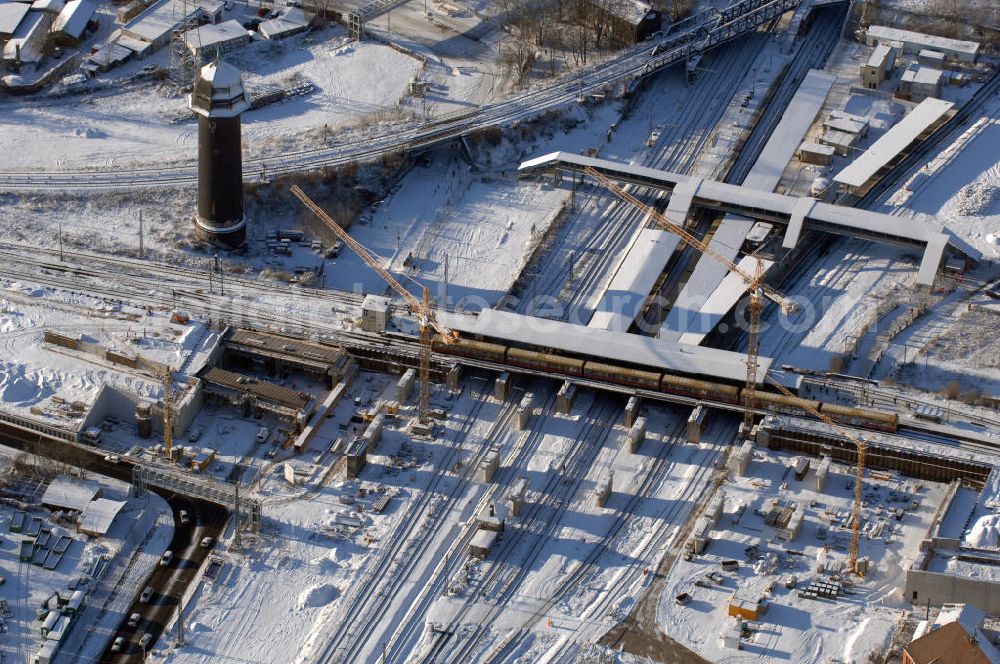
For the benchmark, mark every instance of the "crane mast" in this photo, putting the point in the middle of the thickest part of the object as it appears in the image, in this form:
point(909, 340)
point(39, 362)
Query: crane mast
point(429, 324)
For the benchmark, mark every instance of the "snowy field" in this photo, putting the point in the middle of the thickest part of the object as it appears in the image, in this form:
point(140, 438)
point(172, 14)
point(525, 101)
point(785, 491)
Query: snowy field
point(793, 628)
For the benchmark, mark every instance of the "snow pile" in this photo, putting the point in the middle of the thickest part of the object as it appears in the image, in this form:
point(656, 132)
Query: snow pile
point(981, 197)
point(318, 595)
point(985, 533)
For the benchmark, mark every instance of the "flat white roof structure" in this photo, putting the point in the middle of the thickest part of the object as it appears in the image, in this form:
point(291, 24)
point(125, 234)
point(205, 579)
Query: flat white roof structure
point(721, 302)
point(98, 516)
point(157, 23)
point(708, 274)
point(641, 265)
point(11, 15)
point(914, 42)
point(845, 125)
point(692, 309)
point(578, 340)
point(817, 148)
point(795, 122)
point(882, 152)
point(211, 38)
point(797, 213)
point(880, 56)
point(71, 493)
point(73, 19)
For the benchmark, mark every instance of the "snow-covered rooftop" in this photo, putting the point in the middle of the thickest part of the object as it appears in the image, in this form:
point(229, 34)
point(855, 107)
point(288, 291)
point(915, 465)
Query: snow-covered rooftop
point(634, 279)
point(11, 15)
point(98, 516)
point(71, 493)
point(883, 33)
point(73, 19)
point(892, 142)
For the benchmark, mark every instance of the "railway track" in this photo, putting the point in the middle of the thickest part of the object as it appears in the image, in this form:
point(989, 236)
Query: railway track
point(503, 577)
point(402, 551)
point(662, 541)
point(706, 32)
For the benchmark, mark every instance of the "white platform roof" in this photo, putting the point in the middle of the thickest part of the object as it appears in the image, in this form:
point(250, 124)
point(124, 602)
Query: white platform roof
point(70, 493)
point(11, 15)
point(634, 279)
point(706, 277)
point(892, 142)
point(98, 516)
point(721, 302)
point(791, 129)
point(603, 345)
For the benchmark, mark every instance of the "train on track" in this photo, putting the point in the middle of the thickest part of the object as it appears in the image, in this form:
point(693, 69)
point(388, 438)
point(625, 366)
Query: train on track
point(657, 381)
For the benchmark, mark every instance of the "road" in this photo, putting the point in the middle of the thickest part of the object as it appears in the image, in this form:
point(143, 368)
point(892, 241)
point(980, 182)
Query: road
point(697, 35)
point(168, 582)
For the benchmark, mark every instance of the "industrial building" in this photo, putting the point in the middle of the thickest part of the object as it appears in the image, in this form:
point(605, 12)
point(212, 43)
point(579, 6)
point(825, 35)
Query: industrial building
point(879, 66)
point(211, 40)
point(914, 42)
point(920, 83)
point(98, 516)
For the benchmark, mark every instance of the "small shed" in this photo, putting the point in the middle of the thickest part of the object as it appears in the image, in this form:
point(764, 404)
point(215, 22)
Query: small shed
point(98, 517)
point(482, 542)
point(289, 22)
point(744, 604)
point(70, 493)
point(375, 313)
point(816, 153)
point(72, 21)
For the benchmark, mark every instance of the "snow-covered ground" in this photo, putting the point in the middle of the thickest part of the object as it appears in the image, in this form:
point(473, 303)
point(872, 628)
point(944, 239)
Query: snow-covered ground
point(110, 570)
point(796, 628)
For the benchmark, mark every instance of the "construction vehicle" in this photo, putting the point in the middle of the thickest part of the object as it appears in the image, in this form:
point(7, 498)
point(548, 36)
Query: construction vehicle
point(757, 288)
point(429, 324)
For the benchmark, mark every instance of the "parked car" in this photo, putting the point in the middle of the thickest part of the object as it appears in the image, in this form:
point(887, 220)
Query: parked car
point(166, 558)
point(144, 641)
point(133, 620)
point(185, 519)
point(195, 434)
point(112, 458)
point(147, 594)
point(118, 644)
point(262, 434)
point(207, 542)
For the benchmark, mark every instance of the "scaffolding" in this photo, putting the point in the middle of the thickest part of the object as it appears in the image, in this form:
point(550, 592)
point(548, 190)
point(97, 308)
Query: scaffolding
point(248, 512)
point(183, 62)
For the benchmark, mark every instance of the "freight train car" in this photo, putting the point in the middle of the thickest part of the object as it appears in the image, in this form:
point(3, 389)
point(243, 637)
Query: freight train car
point(861, 417)
point(646, 380)
point(480, 350)
point(700, 389)
point(531, 359)
point(780, 403)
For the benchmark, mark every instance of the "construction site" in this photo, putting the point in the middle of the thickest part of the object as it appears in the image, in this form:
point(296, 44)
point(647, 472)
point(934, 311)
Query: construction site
point(399, 333)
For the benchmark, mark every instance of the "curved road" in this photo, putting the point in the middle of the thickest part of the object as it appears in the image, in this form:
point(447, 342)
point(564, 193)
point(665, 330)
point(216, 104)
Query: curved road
point(168, 582)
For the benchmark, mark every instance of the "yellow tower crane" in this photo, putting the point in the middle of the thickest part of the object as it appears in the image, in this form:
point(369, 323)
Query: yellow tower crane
point(861, 446)
point(758, 289)
point(422, 308)
point(755, 284)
